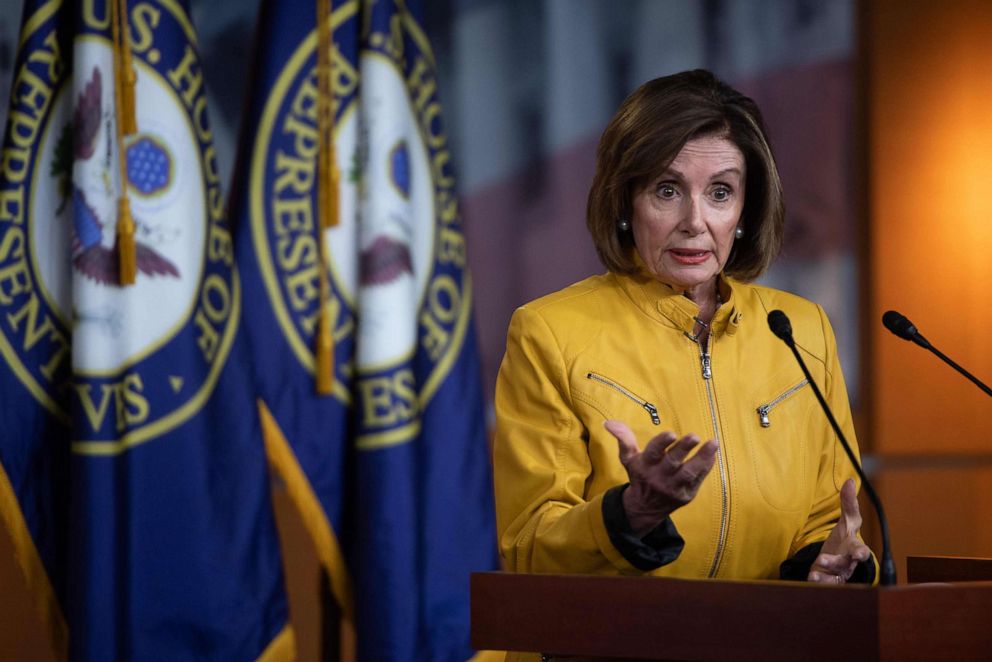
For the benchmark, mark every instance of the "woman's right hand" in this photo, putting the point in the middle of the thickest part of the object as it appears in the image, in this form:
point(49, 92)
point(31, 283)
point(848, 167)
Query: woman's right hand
point(661, 479)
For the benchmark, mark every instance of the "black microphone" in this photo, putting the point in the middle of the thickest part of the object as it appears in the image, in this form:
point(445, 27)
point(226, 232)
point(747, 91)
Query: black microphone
point(902, 327)
point(781, 327)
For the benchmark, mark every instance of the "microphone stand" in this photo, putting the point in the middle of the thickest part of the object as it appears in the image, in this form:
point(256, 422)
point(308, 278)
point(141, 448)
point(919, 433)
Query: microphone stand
point(900, 326)
point(946, 359)
point(887, 567)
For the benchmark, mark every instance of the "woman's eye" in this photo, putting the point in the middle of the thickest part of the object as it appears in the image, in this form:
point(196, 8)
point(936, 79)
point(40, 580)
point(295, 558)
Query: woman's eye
point(666, 191)
point(721, 194)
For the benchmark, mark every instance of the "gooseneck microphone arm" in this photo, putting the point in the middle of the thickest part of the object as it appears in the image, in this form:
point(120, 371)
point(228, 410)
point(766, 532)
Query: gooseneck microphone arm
point(902, 327)
point(781, 327)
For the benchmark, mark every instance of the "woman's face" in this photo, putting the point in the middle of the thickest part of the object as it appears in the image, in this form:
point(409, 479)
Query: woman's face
point(684, 221)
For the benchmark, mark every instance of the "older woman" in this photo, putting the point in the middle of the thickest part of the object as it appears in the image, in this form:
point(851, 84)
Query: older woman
point(608, 386)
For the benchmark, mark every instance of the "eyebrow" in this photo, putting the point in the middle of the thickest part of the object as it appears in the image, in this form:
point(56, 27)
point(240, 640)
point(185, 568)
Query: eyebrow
point(672, 172)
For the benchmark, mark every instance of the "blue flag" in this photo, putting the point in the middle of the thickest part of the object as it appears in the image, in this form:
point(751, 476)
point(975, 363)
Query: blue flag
point(133, 476)
point(391, 469)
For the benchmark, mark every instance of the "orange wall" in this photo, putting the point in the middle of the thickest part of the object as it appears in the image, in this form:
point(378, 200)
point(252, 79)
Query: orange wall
point(928, 94)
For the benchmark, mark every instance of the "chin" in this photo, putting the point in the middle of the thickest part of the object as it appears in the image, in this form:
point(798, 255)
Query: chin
point(687, 277)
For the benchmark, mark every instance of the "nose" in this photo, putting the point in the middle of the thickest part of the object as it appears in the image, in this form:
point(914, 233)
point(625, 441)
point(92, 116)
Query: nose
point(691, 222)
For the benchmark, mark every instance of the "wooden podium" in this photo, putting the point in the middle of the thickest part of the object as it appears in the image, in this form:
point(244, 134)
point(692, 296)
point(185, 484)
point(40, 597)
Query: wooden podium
point(671, 619)
point(948, 569)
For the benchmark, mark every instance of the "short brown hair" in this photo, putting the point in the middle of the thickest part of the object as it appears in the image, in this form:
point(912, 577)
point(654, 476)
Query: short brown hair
point(644, 137)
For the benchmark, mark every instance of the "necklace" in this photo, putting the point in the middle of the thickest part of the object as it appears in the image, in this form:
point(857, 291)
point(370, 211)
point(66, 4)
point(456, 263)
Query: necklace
point(700, 324)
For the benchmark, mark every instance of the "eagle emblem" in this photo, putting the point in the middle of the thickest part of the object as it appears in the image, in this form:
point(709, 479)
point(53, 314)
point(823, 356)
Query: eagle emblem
point(387, 258)
point(148, 168)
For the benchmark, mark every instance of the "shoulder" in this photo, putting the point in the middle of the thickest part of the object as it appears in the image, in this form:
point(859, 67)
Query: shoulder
point(571, 316)
point(810, 326)
point(766, 299)
point(576, 296)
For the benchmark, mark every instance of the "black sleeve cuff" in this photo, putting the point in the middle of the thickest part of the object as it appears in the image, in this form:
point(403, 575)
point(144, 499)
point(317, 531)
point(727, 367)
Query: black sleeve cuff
point(659, 547)
point(797, 567)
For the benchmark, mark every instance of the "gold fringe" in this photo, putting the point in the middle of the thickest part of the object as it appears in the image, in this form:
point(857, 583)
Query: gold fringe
point(29, 562)
point(349, 641)
point(126, 124)
point(282, 648)
point(283, 461)
point(488, 656)
point(328, 180)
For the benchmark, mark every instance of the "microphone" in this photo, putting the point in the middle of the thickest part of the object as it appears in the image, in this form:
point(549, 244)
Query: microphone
point(902, 327)
point(781, 326)
point(779, 323)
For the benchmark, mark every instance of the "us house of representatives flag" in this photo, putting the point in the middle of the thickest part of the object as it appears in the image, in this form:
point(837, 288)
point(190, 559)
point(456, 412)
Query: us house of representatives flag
point(133, 477)
point(360, 326)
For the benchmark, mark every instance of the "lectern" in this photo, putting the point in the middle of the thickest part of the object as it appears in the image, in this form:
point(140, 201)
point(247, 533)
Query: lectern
point(647, 618)
point(948, 569)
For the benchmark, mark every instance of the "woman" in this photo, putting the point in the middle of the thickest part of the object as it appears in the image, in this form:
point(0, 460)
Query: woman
point(608, 386)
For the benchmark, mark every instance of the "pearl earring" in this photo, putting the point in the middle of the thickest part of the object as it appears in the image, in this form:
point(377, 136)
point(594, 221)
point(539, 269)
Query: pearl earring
point(623, 224)
point(739, 232)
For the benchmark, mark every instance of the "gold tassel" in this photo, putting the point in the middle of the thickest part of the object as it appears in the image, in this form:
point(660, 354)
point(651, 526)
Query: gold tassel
point(129, 120)
point(126, 124)
point(327, 193)
point(126, 78)
point(325, 351)
point(328, 175)
point(329, 180)
point(125, 242)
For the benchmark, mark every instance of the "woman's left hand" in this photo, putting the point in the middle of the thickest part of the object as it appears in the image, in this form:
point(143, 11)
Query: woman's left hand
point(842, 550)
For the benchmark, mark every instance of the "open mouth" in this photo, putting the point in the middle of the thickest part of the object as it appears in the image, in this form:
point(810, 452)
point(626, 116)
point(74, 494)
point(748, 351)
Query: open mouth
point(688, 255)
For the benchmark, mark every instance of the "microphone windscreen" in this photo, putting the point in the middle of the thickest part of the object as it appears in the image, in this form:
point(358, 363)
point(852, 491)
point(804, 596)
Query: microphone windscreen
point(779, 323)
point(899, 325)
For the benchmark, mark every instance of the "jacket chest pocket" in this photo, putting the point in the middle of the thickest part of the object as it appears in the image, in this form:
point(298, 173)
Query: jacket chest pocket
point(764, 411)
point(605, 395)
point(648, 407)
point(778, 431)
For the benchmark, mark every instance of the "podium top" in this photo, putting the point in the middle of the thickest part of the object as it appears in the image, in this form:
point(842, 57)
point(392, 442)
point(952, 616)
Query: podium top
point(680, 619)
point(948, 569)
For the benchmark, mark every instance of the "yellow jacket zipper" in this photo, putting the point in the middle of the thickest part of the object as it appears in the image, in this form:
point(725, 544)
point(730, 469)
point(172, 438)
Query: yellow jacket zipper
point(707, 372)
point(765, 410)
point(645, 405)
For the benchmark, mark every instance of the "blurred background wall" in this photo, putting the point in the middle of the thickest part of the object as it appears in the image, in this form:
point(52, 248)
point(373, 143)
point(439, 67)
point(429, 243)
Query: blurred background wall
point(879, 115)
point(530, 86)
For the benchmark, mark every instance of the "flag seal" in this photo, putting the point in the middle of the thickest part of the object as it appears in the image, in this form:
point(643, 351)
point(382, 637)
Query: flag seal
point(58, 211)
point(397, 258)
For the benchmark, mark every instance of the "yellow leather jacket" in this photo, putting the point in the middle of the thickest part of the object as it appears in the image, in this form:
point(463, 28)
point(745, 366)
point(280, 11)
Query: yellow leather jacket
point(621, 347)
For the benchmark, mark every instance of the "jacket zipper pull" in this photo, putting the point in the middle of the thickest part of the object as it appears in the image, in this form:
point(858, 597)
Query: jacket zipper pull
point(707, 367)
point(645, 405)
point(765, 410)
point(651, 409)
